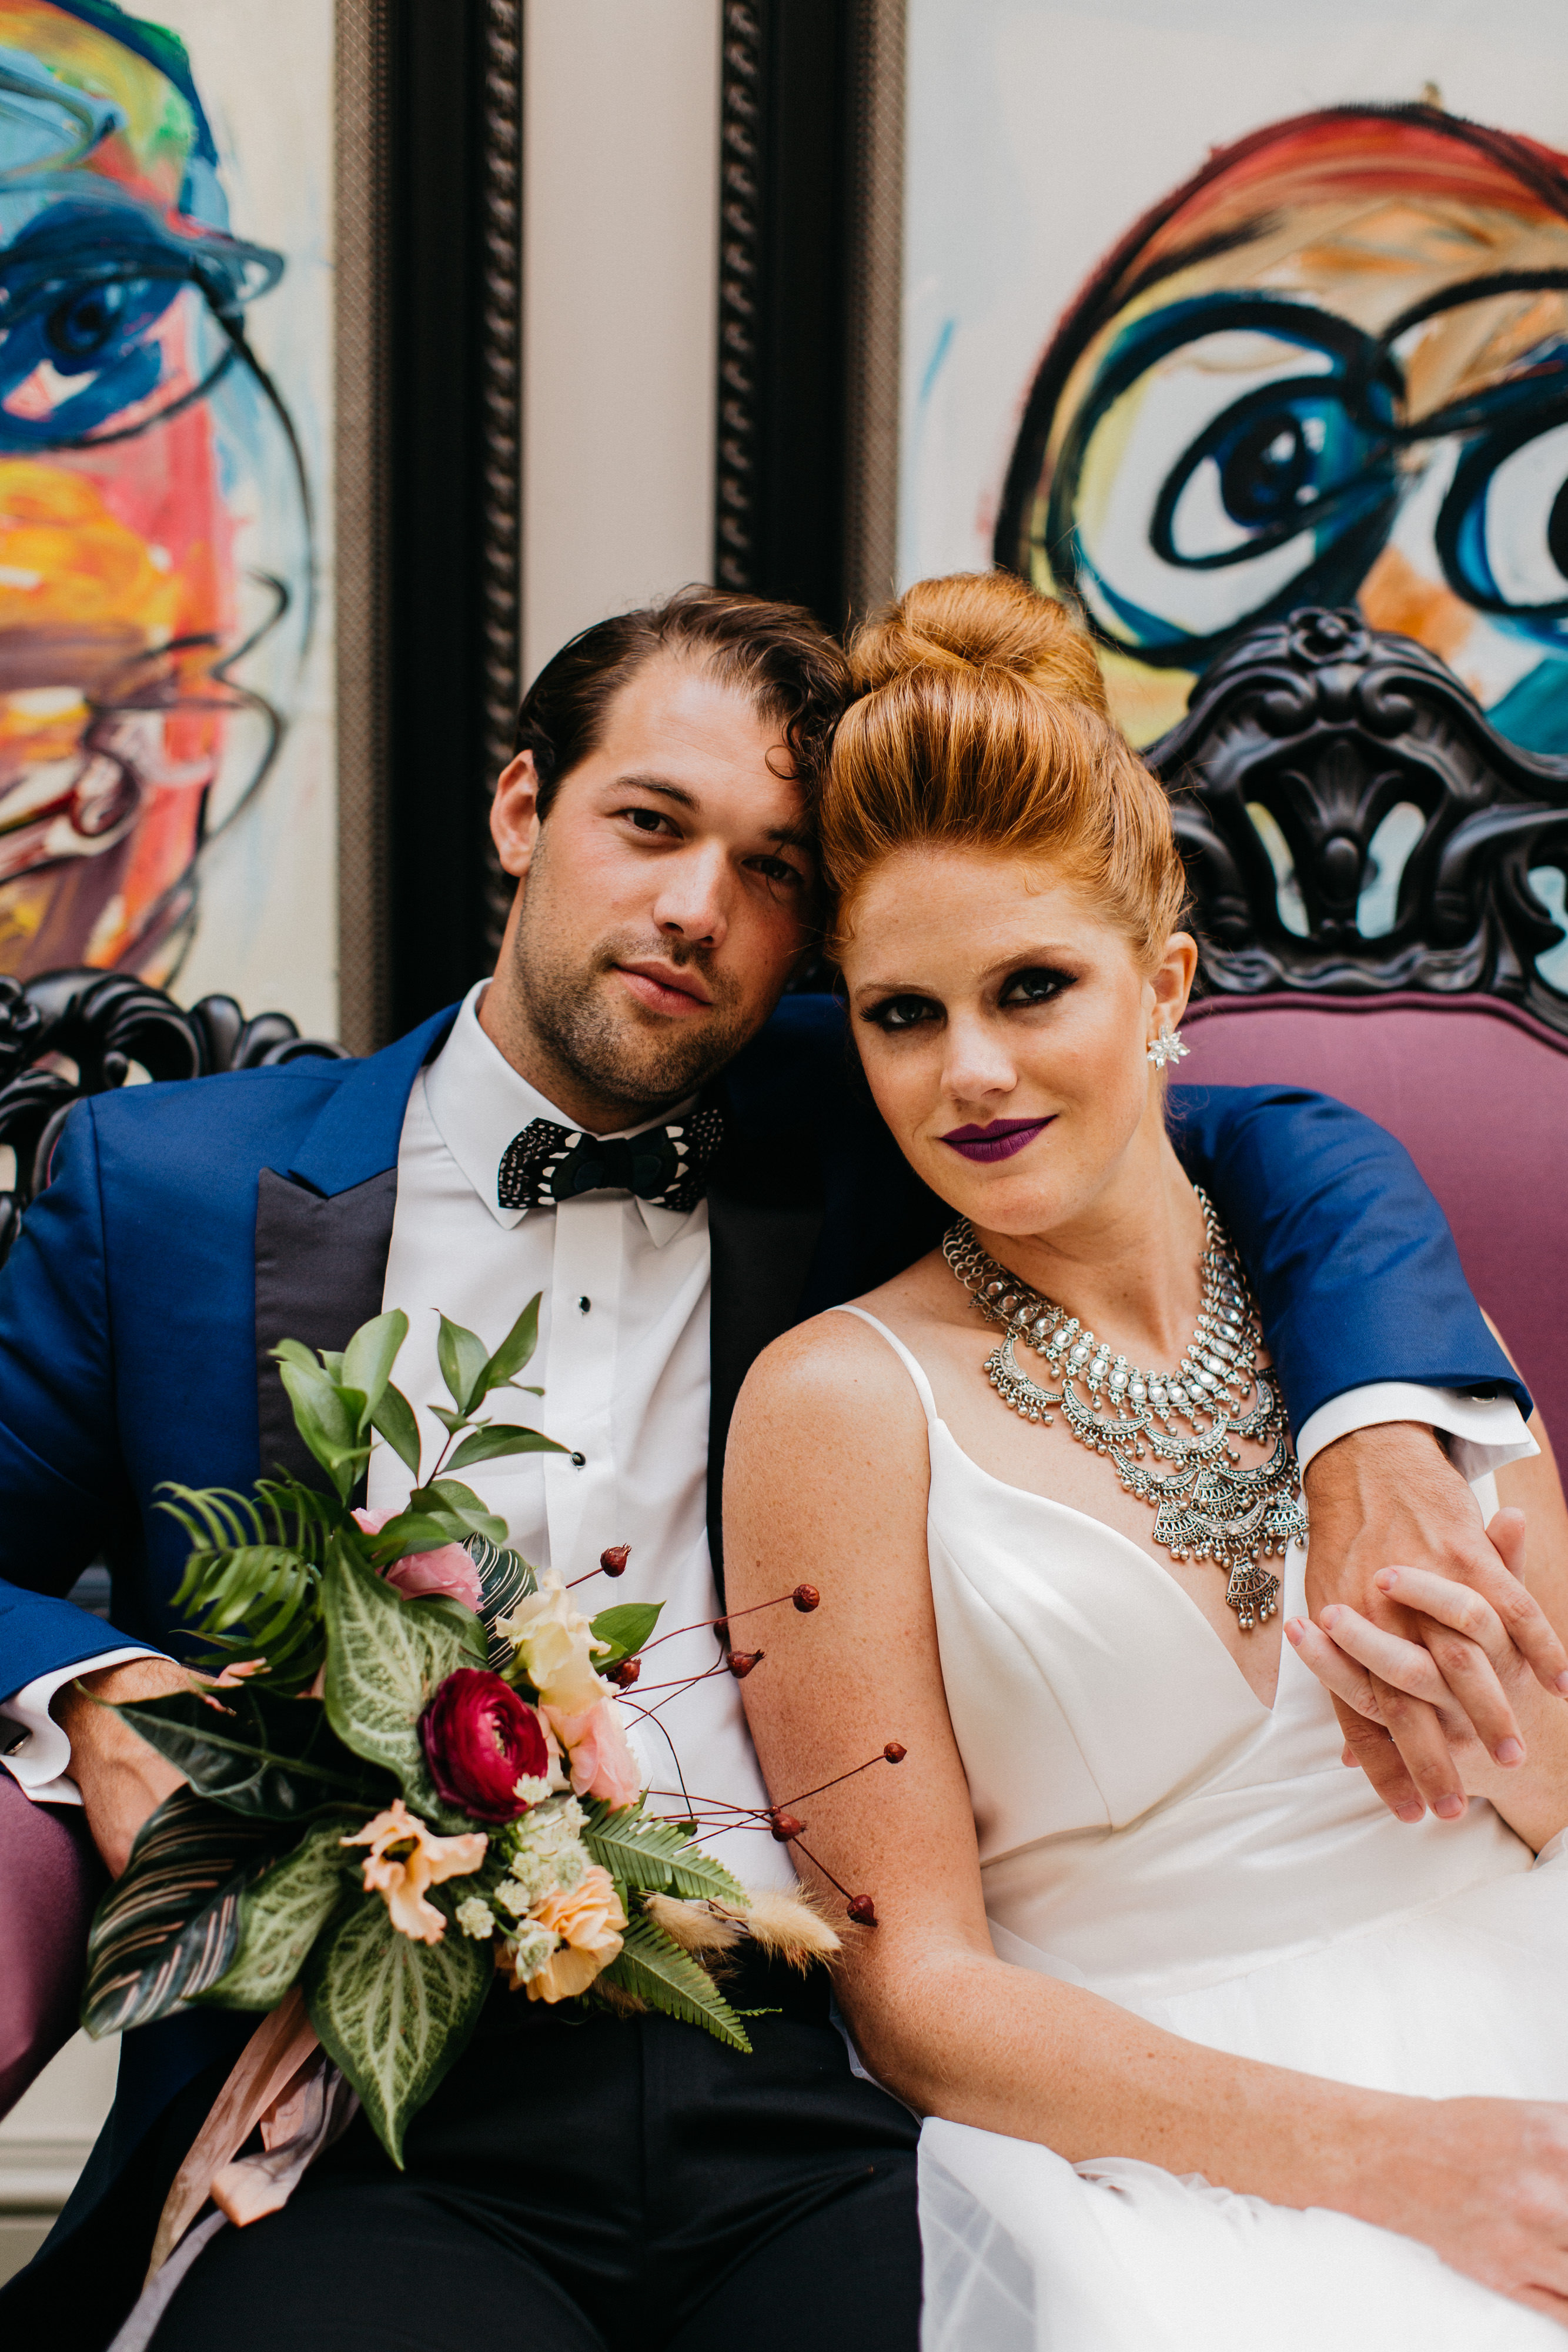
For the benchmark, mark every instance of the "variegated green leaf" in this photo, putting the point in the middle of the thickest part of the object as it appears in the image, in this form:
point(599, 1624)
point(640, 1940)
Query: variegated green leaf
point(167, 1929)
point(278, 1758)
point(655, 1856)
point(282, 1912)
point(649, 1965)
point(384, 1657)
point(394, 2014)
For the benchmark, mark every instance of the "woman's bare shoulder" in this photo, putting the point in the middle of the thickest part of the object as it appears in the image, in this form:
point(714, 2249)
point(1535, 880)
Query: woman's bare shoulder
point(836, 1363)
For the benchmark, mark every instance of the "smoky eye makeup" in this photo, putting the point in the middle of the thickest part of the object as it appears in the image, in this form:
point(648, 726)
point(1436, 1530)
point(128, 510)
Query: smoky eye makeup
point(1035, 985)
point(894, 1015)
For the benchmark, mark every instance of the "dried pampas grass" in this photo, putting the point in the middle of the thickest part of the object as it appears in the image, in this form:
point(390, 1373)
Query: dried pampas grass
point(790, 1927)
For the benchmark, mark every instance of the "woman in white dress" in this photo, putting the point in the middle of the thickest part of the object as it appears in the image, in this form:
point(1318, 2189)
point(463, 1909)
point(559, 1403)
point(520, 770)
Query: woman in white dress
point(1214, 2051)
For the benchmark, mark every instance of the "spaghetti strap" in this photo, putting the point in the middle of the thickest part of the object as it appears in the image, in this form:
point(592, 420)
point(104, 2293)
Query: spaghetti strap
point(911, 1363)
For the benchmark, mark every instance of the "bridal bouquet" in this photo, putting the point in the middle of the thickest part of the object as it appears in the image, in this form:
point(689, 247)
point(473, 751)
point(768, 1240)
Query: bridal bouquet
point(413, 1770)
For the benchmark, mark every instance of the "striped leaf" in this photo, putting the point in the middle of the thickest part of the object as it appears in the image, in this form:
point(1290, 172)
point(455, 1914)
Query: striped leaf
point(649, 1965)
point(394, 2015)
point(282, 1912)
point(167, 1928)
point(276, 1759)
point(505, 1579)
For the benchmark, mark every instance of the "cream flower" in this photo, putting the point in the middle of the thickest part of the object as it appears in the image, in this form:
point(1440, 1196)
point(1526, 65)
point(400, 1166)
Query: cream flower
point(555, 1645)
point(589, 1922)
point(476, 1919)
point(405, 1858)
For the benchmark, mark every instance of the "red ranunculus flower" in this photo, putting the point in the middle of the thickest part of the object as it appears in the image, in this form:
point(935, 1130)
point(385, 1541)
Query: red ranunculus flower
point(480, 1739)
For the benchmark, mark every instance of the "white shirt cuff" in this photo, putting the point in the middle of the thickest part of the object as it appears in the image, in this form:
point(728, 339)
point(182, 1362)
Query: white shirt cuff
point(42, 1763)
point(1487, 1431)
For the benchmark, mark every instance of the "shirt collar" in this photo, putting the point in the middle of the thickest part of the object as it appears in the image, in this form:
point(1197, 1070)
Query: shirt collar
point(479, 1104)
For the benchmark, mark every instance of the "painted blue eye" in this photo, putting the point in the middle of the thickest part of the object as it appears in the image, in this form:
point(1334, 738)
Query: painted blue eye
point(1235, 457)
point(79, 327)
point(1502, 534)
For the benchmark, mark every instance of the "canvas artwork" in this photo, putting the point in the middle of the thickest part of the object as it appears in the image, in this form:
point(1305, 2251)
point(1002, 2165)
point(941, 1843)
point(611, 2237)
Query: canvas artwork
point(166, 802)
point(1216, 310)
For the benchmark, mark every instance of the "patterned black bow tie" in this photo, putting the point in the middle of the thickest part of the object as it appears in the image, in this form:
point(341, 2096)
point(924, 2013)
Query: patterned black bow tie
point(663, 1164)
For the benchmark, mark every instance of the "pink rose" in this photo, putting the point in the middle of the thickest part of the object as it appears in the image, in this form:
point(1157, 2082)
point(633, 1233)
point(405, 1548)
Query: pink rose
point(603, 1764)
point(449, 1570)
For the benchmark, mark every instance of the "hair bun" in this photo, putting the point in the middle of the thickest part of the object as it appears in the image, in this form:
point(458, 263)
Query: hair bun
point(980, 621)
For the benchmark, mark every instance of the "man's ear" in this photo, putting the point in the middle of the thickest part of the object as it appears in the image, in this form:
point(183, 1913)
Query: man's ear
point(515, 815)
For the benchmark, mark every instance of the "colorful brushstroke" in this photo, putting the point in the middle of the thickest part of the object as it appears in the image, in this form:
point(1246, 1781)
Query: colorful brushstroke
point(1331, 369)
point(153, 519)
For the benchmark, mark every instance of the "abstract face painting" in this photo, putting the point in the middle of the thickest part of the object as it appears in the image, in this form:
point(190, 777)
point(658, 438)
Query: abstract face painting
point(1331, 369)
point(155, 562)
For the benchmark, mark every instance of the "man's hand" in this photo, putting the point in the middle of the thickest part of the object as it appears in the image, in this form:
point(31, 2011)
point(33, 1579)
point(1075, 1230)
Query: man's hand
point(1386, 1498)
point(122, 1779)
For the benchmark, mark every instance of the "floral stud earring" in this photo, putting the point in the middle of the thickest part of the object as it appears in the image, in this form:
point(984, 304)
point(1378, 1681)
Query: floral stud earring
point(1167, 1047)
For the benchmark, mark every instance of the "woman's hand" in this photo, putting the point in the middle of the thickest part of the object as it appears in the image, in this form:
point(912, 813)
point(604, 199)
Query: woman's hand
point(1381, 1674)
point(1484, 2182)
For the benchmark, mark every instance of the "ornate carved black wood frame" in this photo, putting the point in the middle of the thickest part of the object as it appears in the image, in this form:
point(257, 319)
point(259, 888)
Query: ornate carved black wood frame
point(1327, 725)
point(70, 1034)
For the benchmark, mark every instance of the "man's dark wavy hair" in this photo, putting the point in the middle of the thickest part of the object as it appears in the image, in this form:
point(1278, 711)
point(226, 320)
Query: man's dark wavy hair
point(792, 672)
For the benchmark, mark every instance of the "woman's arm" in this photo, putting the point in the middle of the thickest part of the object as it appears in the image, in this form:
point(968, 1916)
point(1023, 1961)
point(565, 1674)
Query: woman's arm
point(827, 1479)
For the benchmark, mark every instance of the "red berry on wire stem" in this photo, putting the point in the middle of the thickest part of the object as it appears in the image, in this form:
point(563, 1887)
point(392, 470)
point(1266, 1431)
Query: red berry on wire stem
point(862, 1911)
point(895, 1751)
point(613, 1560)
point(784, 1826)
point(805, 1597)
point(742, 1661)
point(626, 1672)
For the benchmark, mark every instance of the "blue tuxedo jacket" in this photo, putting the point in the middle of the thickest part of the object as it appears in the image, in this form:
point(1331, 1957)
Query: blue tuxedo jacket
point(189, 1227)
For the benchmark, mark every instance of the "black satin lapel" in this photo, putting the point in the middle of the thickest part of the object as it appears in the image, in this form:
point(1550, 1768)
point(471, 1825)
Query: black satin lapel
point(762, 1249)
point(320, 1269)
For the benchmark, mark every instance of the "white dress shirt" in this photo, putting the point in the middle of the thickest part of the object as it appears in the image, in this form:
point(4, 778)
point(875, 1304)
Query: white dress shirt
point(623, 1360)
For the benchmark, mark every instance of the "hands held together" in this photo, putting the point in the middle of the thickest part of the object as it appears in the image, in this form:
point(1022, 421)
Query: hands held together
point(1447, 1674)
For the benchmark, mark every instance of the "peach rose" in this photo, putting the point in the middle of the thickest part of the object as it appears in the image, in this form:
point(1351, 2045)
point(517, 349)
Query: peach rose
point(603, 1764)
point(589, 1921)
point(405, 1858)
point(448, 1569)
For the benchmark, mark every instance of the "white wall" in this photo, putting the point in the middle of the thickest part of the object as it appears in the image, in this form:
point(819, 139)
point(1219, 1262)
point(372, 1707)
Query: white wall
point(620, 275)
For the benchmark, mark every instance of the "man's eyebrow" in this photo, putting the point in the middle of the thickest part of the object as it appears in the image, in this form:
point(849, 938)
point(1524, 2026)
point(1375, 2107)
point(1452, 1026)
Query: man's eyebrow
point(794, 836)
point(788, 837)
point(657, 784)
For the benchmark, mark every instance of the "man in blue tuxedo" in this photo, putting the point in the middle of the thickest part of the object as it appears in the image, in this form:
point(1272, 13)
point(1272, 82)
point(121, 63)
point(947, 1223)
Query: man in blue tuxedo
point(628, 1121)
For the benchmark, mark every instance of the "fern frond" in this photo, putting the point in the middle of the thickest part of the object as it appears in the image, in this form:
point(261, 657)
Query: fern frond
point(659, 1973)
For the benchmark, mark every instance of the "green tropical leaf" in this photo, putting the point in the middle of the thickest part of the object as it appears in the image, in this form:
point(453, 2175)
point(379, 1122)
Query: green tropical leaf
point(393, 1417)
point(281, 1915)
point(369, 1358)
point(485, 1444)
point(626, 1629)
point(648, 1855)
point(505, 1579)
point(268, 1757)
point(394, 2015)
point(656, 1970)
point(462, 1356)
point(167, 1929)
point(329, 1419)
point(254, 1564)
point(384, 1657)
point(514, 1350)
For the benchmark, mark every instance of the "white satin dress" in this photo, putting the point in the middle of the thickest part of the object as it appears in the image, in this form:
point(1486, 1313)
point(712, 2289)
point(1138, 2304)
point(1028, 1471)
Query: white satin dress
point(1150, 1829)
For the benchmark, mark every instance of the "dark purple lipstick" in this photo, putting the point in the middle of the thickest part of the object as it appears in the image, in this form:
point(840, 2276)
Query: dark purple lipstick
point(999, 1141)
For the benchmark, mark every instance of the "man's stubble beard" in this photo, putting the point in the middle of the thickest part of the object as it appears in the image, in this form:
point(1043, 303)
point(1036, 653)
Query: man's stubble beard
point(624, 1058)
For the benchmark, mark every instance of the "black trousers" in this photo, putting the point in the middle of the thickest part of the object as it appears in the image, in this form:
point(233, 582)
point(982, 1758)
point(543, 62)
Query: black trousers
point(597, 2184)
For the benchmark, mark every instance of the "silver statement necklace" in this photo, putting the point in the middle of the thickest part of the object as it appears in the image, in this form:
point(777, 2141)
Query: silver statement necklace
point(1207, 1507)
